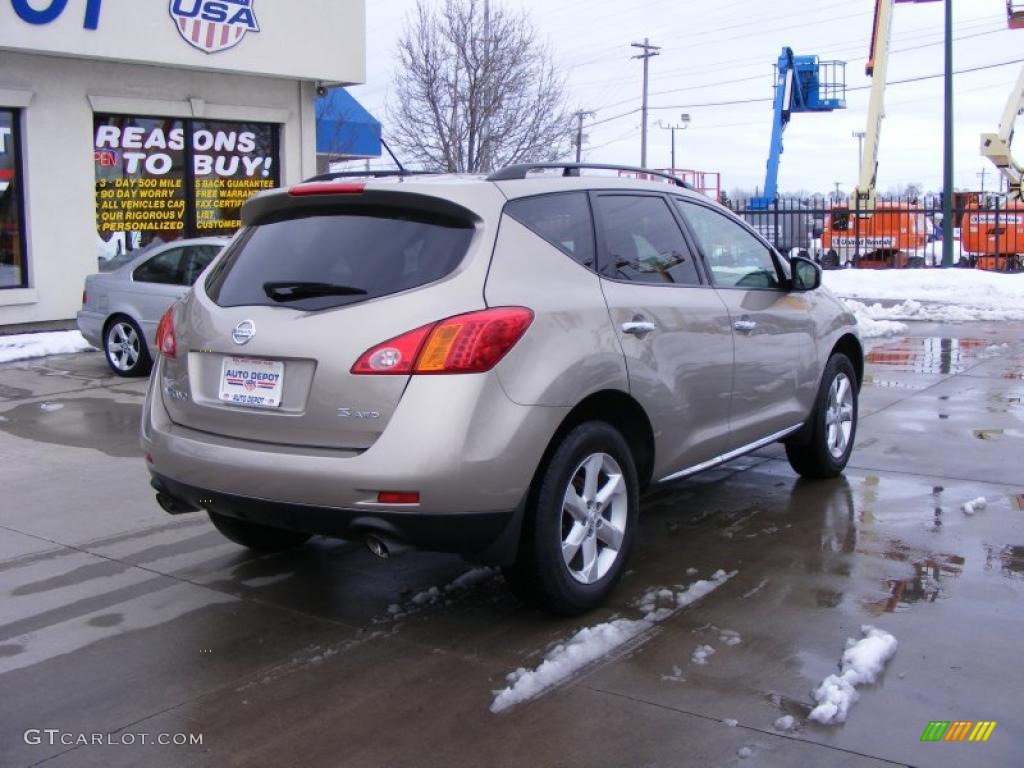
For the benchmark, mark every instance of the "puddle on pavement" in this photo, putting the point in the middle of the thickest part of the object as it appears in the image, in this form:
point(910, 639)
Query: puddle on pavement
point(1009, 560)
point(933, 354)
point(86, 422)
point(925, 586)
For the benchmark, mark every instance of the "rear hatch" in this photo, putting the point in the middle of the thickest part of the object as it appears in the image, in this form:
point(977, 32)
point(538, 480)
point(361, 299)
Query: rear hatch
point(265, 344)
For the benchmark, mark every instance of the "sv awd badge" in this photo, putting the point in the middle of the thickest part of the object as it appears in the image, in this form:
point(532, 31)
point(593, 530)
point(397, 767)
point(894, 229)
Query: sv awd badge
point(352, 413)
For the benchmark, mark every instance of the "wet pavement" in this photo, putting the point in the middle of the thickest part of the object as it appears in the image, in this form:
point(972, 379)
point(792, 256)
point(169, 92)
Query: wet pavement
point(119, 620)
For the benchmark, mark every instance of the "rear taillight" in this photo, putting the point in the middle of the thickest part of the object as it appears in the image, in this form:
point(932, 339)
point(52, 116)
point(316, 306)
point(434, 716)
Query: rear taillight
point(85, 298)
point(327, 188)
point(165, 341)
point(469, 343)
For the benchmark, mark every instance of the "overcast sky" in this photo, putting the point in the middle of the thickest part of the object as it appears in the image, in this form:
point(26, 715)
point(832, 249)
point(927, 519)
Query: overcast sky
point(724, 51)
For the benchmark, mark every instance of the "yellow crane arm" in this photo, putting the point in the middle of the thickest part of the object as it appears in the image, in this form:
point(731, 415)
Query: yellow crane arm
point(996, 146)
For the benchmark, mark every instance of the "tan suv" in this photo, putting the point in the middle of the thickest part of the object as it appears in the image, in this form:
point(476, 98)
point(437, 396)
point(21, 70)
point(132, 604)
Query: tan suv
point(496, 367)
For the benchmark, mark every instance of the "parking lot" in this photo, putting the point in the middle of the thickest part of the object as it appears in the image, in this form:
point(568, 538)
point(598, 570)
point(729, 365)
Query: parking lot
point(120, 620)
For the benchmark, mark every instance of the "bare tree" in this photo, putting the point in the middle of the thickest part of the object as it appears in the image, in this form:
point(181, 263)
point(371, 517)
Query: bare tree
point(476, 90)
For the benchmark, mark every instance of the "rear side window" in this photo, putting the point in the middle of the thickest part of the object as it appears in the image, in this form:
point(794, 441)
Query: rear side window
point(320, 261)
point(562, 219)
point(164, 268)
point(643, 242)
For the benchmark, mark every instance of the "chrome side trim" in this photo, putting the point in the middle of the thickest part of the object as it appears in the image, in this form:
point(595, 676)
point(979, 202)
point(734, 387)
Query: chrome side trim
point(731, 454)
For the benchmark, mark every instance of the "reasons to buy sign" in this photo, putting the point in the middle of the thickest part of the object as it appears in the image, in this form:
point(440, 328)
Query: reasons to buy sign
point(168, 178)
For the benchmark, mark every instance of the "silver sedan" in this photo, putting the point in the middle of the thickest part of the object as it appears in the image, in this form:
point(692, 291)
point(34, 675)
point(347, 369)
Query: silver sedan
point(121, 308)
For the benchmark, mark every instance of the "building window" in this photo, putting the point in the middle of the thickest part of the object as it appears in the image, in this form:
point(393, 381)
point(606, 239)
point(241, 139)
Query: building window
point(12, 225)
point(161, 179)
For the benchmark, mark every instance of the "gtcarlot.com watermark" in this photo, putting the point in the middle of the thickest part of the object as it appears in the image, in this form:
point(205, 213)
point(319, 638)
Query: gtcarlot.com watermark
point(56, 737)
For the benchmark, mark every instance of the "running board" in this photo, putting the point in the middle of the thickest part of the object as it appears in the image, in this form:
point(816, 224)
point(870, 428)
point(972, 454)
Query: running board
point(731, 454)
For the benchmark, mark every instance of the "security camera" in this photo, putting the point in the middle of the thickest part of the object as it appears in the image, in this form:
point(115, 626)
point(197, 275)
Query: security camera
point(321, 89)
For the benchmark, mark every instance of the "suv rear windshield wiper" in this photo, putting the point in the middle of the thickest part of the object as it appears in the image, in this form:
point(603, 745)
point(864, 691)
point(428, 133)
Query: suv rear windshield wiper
point(296, 290)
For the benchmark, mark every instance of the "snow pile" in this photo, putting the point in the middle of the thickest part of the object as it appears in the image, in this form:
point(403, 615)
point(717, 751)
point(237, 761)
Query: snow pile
point(974, 505)
point(437, 595)
point(871, 327)
point(24, 346)
point(730, 637)
point(730, 722)
point(936, 295)
point(785, 723)
point(592, 643)
point(701, 653)
point(676, 676)
point(862, 662)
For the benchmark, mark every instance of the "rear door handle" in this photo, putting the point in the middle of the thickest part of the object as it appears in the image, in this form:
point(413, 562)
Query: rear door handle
point(744, 326)
point(638, 327)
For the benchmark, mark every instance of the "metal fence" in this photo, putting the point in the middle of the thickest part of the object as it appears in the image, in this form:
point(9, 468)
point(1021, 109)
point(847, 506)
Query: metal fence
point(895, 232)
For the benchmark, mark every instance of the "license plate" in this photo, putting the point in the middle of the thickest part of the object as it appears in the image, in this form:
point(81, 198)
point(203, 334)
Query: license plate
point(251, 382)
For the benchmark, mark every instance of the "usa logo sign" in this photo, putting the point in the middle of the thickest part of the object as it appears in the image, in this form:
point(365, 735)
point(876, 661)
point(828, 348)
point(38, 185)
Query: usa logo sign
point(213, 25)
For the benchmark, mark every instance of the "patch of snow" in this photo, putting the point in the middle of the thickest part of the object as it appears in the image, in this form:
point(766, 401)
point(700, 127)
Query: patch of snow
point(730, 637)
point(785, 723)
point(974, 505)
point(730, 722)
point(50, 407)
point(676, 676)
point(869, 326)
point(25, 346)
point(961, 287)
point(745, 752)
point(691, 571)
point(862, 662)
point(438, 595)
point(756, 589)
point(592, 643)
point(701, 653)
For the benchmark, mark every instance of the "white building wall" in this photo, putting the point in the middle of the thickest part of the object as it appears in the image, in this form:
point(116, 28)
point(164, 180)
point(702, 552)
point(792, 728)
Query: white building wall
point(59, 97)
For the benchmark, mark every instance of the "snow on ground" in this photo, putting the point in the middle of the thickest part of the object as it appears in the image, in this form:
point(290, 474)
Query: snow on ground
point(592, 643)
point(701, 654)
point(933, 295)
point(785, 723)
point(863, 661)
point(974, 505)
point(730, 637)
point(24, 346)
point(438, 595)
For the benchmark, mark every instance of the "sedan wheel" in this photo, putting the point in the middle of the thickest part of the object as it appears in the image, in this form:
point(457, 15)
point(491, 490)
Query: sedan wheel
point(823, 447)
point(125, 348)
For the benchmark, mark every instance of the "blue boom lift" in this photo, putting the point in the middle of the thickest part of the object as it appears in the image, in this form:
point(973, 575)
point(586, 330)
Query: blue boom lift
point(802, 84)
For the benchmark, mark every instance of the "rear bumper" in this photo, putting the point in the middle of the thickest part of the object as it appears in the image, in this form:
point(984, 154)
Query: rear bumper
point(490, 537)
point(91, 325)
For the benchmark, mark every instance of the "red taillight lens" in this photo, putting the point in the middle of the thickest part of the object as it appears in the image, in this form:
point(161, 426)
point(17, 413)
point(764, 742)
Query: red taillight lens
point(85, 298)
point(165, 341)
point(469, 343)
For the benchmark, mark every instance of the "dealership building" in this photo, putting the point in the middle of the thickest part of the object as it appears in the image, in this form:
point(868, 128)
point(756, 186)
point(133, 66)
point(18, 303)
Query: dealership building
point(123, 122)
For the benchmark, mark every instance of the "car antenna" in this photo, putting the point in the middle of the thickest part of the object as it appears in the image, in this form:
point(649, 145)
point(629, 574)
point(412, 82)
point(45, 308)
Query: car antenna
point(401, 168)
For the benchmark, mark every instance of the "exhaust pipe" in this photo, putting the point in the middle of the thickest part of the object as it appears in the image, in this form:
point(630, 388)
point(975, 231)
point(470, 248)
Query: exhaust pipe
point(172, 506)
point(385, 547)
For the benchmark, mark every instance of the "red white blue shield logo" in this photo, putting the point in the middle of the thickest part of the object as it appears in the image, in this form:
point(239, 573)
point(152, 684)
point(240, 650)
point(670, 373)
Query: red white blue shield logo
point(214, 25)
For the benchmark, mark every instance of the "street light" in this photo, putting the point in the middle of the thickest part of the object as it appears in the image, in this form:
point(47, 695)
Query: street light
point(684, 123)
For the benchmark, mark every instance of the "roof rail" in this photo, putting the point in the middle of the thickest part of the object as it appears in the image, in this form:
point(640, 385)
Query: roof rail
point(374, 174)
point(513, 172)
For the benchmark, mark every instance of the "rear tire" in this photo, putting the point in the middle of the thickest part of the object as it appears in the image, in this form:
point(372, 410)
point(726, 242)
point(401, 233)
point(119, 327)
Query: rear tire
point(262, 538)
point(833, 425)
point(125, 347)
point(579, 531)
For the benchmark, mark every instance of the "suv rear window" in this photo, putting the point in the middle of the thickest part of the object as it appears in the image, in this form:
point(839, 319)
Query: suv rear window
point(324, 260)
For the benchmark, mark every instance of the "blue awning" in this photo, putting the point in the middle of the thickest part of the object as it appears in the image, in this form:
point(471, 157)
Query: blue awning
point(344, 129)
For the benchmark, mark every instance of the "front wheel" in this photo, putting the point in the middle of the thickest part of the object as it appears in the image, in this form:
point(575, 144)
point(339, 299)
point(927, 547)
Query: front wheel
point(833, 424)
point(578, 534)
point(262, 538)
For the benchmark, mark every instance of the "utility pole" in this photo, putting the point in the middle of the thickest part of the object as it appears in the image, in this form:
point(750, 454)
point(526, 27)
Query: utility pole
point(649, 52)
point(947, 174)
point(580, 116)
point(684, 123)
point(859, 136)
point(982, 174)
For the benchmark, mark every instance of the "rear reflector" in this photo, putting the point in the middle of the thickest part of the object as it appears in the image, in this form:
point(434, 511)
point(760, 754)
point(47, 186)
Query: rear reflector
point(398, 497)
point(471, 343)
point(327, 188)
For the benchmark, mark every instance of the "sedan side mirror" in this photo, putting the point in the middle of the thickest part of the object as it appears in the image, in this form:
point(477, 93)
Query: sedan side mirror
point(806, 274)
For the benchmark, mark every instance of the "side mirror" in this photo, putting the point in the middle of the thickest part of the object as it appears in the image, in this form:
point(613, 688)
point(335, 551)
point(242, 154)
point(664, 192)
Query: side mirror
point(806, 274)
